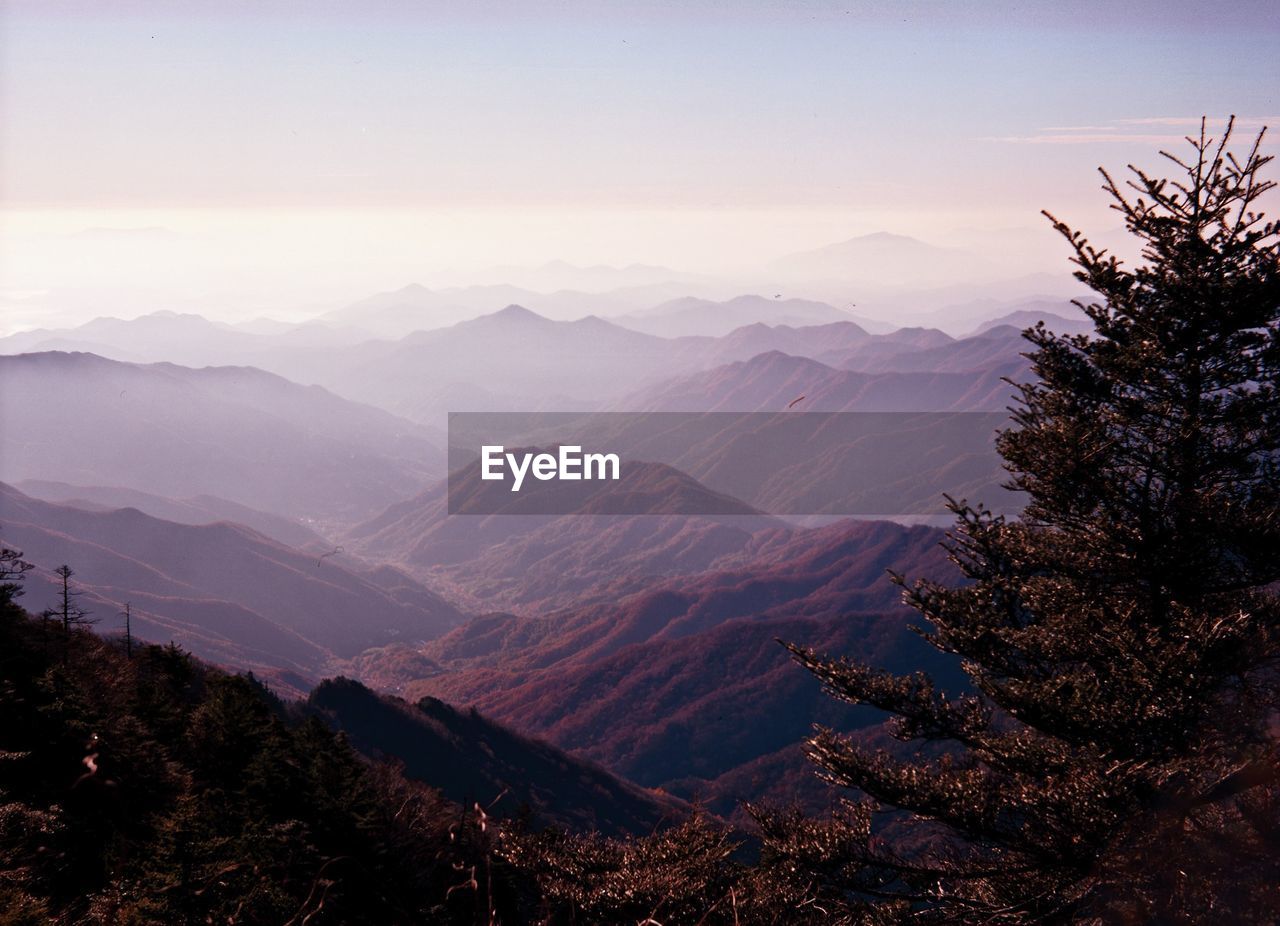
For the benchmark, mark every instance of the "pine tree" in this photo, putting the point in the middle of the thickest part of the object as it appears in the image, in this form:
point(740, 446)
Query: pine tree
point(13, 568)
point(128, 630)
point(68, 611)
point(1116, 760)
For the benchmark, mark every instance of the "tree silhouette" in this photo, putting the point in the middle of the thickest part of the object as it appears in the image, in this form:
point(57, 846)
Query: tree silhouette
point(128, 629)
point(68, 611)
point(13, 568)
point(1116, 761)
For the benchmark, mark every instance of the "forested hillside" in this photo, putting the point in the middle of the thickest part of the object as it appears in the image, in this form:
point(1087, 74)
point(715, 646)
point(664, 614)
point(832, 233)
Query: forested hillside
point(138, 785)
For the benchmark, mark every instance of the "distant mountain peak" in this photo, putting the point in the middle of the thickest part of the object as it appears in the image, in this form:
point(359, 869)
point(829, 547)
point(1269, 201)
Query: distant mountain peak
point(777, 358)
point(885, 236)
point(593, 321)
point(882, 256)
point(515, 312)
point(874, 242)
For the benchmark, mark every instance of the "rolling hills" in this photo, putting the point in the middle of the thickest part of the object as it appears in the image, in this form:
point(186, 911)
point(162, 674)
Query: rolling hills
point(665, 680)
point(241, 434)
point(199, 509)
point(224, 591)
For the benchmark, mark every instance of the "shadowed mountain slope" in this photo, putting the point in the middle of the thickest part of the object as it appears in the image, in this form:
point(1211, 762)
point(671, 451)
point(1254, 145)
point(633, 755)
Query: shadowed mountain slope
point(681, 682)
point(225, 591)
point(472, 759)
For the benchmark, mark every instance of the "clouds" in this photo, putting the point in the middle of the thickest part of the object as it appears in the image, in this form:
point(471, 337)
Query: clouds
point(1211, 123)
point(1086, 138)
point(1130, 131)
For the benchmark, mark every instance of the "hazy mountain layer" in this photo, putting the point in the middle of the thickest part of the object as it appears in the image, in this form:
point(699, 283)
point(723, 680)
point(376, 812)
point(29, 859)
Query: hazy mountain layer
point(200, 509)
point(690, 316)
point(241, 434)
point(772, 381)
point(222, 590)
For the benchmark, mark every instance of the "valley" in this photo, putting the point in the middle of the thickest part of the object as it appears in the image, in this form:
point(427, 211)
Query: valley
point(274, 499)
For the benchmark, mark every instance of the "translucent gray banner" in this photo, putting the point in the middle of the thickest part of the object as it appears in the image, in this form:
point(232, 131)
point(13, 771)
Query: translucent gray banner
point(889, 464)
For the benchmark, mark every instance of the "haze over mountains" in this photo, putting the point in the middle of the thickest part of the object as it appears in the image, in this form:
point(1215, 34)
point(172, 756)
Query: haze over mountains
point(273, 496)
point(880, 256)
point(770, 381)
point(235, 432)
point(690, 316)
point(894, 279)
point(516, 359)
point(199, 509)
point(226, 592)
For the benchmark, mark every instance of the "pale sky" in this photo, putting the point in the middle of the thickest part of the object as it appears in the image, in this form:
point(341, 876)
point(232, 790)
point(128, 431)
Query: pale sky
point(283, 153)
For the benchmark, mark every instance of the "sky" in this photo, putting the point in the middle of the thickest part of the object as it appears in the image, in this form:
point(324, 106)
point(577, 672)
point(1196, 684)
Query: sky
point(267, 156)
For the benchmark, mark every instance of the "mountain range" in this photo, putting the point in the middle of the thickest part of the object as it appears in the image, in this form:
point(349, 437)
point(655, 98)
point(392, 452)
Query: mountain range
point(660, 680)
point(517, 359)
point(772, 381)
point(225, 592)
point(238, 433)
point(199, 509)
point(273, 497)
point(691, 316)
